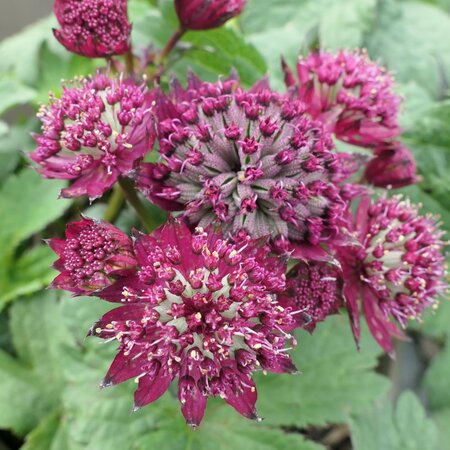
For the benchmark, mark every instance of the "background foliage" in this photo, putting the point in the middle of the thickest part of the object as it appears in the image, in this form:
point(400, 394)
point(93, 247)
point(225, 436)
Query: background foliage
point(49, 373)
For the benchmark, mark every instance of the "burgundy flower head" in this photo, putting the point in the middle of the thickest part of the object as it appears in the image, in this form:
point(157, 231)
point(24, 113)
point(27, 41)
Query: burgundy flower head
point(200, 309)
point(93, 28)
point(251, 160)
point(393, 165)
point(93, 256)
point(207, 14)
point(351, 94)
point(98, 130)
point(313, 291)
point(398, 270)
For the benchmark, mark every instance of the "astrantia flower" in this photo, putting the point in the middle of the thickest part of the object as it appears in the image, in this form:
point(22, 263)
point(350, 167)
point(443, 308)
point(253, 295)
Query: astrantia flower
point(93, 28)
point(313, 290)
point(99, 129)
point(207, 14)
point(251, 160)
point(392, 165)
point(397, 272)
point(93, 256)
point(202, 310)
point(350, 93)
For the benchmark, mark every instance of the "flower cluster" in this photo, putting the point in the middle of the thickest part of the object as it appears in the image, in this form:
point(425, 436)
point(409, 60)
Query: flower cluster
point(93, 256)
point(249, 160)
point(201, 309)
point(313, 290)
point(397, 269)
point(98, 130)
point(255, 181)
point(93, 28)
point(350, 93)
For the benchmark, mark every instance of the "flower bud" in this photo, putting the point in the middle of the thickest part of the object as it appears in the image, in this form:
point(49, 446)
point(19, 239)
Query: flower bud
point(207, 14)
point(393, 166)
point(93, 28)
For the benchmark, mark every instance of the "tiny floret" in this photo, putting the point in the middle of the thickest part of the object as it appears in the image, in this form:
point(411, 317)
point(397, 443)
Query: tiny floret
point(313, 291)
point(393, 165)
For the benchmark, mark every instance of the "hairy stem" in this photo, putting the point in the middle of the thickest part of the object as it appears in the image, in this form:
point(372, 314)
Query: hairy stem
point(132, 197)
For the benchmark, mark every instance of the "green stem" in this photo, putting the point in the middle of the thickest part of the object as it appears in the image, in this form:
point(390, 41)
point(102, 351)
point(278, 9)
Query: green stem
point(115, 204)
point(171, 44)
point(131, 195)
point(129, 62)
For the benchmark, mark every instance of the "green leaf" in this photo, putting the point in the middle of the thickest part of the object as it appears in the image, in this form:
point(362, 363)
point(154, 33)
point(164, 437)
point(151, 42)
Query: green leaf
point(50, 434)
point(336, 380)
point(28, 204)
point(411, 38)
point(344, 24)
point(291, 26)
point(406, 428)
point(31, 384)
point(209, 53)
point(29, 273)
point(13, 93)
point(442, 419)
point(19, 54)
point(437, 380)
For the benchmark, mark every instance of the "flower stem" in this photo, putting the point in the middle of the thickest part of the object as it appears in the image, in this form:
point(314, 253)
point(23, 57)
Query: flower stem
point(129, 62)
point(171, 44)
point(131, 195)
point(114, 205)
